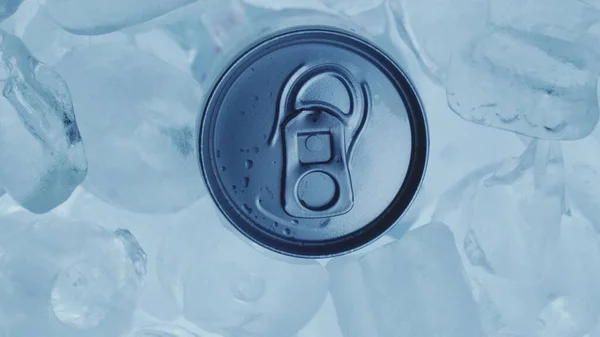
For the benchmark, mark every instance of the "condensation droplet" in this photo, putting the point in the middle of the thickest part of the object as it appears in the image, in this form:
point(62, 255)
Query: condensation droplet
point(247, 209)
point(223, 168)
point(295, 222)
point(246, 182)
point(287, 232)
point(249, 164)
point(255, 149)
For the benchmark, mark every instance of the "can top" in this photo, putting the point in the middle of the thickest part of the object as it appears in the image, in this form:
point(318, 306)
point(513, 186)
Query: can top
point(313, 142)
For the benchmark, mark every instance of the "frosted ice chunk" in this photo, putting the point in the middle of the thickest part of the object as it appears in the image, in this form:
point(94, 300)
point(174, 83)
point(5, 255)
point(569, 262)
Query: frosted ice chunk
point(67, 278)
point(226, 286)
point(8, 8)
point(91, 17)
point(411, 287)
point(519, 203)
point(530, 194)
point(435, 29)
point(529, 83)
point(137, 114)
point(42, 155)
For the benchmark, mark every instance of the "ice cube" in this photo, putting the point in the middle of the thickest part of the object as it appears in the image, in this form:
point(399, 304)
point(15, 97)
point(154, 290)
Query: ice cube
point(411, 287)
point(90, 17)
point(521, 203)
point(49, 42)
point(8, 8)
point(137, 114)
point(565, 317)
point(569, 20)
point(526, 82)
point(226, 286)
point(574, 279)
point(68, 278)
point(42, 155)
point(435, 29)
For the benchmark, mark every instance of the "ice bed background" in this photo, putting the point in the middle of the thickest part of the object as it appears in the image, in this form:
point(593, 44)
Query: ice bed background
point(106, 228)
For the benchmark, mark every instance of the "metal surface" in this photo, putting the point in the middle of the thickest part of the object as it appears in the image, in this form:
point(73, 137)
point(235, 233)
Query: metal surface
point(313, 142)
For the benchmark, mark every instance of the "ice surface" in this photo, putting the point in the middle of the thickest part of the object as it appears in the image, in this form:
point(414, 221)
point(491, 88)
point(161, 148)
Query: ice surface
point(138, 115)
point(576, 306)
point(508, 220)
point(48, 42)
point(435, 29)
point(584, 191)
point(91, 17)
point(411, 287)
point(530, 191)
point(571, 20)
point(8, 8)
point(526, 82)
point(288, 4)
point(42, 155)
point(162, 330)
point(226, 286)
point(67, 278)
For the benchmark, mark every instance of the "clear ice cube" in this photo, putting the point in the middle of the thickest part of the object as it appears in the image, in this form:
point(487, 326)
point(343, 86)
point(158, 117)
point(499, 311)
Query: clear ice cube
point(137, 114)
point(520, 203)
point(91, 17)
point(411, 287)
point(8, 8)
point(526, 82)
point(530, 191)
point(42, 155)
point(435, 29)
point(67, 278)
point(226, 286)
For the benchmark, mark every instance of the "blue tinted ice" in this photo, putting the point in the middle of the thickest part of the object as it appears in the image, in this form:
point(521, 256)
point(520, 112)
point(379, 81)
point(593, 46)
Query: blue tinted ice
point(8, 8)
point(91, 17)
point(226, 286)
point(435, 29)
point(65, 278)
point(162, 330)
point(526, 82)
point(412, 287)
point(137, 114)
point(41, 151)
point(515, 236)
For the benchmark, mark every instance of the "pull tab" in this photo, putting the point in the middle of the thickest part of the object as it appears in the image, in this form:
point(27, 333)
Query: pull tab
point(324, 110)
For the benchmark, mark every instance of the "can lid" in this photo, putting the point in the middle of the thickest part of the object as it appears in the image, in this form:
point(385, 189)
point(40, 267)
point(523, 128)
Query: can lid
point(313, 142)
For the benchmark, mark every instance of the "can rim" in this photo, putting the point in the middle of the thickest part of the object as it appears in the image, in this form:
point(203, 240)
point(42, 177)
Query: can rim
point(367, 234)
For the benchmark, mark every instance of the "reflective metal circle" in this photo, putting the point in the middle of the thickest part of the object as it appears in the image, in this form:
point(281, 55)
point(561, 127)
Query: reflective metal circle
point(313, 142)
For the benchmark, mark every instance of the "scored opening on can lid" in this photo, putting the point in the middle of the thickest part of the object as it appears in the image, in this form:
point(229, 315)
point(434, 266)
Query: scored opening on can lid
point(313, 142)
